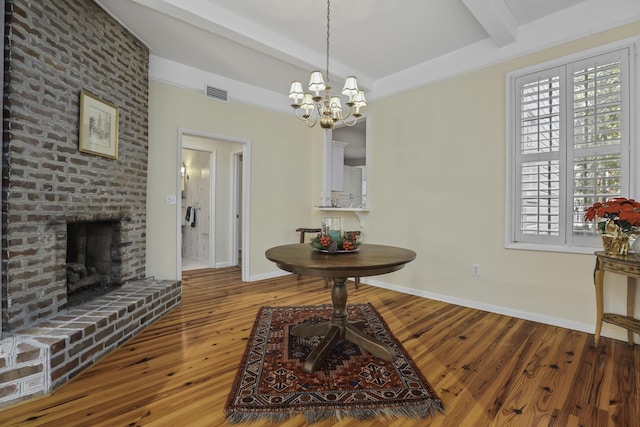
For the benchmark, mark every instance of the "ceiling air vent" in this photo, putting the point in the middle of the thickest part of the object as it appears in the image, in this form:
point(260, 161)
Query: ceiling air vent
point(215, 93)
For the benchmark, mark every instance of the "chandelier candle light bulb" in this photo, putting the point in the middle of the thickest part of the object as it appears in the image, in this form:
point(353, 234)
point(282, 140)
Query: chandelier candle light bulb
point(296, 94)
point(316, 84)
point(350, 89)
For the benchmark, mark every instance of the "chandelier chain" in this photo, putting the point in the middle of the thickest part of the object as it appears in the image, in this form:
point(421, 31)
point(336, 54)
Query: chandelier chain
point(328, 17)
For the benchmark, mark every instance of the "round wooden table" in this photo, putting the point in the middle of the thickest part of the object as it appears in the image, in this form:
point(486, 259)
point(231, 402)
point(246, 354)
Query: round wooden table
point(370, 260)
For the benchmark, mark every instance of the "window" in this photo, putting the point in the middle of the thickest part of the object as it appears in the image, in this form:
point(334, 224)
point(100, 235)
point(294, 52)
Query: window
point(568, 145)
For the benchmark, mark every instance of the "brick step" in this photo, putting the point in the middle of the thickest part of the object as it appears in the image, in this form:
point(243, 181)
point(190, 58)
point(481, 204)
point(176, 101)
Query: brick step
point(35, 360)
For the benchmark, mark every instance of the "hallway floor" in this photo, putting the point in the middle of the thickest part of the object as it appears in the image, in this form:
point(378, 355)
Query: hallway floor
point(192, 264)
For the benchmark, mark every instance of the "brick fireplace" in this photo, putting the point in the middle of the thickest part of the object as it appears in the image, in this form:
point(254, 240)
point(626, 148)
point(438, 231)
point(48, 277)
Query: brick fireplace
point(53, 50)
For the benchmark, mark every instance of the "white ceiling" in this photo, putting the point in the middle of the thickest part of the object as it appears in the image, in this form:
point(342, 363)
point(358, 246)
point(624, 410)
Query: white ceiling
point(269, 43)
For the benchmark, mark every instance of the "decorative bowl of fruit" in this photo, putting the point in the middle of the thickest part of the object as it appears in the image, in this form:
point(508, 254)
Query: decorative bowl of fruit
point(347, 243)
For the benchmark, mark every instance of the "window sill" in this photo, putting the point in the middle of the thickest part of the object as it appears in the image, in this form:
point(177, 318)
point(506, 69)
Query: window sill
point(339, 209)
point(553, 248)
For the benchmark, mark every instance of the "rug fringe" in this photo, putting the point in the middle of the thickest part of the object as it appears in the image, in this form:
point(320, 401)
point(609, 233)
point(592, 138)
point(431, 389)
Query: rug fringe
point(248, 417)
point(421, 411)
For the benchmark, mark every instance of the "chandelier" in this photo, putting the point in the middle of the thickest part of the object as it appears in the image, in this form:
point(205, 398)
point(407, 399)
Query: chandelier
point(314, 106)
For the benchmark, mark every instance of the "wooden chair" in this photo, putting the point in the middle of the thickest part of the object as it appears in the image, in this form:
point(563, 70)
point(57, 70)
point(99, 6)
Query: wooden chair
point(303, 231)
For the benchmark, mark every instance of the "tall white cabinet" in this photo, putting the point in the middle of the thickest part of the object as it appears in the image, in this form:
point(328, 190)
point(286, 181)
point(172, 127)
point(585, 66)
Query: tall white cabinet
point(346, 181)
point(337, 166)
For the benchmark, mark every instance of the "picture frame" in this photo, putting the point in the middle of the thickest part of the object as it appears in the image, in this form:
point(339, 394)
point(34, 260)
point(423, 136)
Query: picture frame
point(98, 126)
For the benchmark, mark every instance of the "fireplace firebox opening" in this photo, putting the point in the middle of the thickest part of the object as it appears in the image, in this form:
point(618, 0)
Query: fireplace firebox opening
point(93, 259)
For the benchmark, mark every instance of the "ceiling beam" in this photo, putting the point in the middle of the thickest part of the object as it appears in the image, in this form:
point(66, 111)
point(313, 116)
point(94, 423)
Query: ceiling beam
point(217, 20)
point(496, 19)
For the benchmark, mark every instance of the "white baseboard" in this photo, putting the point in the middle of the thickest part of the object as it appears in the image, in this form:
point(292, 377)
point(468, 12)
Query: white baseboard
point(265, 276)
point(609, 331)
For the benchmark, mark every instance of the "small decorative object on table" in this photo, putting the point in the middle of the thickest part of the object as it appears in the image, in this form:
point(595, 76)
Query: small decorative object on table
point(618, 220)
point(333, 240)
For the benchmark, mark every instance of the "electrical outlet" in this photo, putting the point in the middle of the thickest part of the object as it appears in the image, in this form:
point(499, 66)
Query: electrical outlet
point(475, 270)
point(171, 199)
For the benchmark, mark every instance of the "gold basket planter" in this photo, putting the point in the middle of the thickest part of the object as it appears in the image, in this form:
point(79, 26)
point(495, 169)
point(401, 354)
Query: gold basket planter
point(618, 245)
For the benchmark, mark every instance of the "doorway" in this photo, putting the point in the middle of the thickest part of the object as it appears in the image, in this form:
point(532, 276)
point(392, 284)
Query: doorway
point(198, 175)
point(223, 188)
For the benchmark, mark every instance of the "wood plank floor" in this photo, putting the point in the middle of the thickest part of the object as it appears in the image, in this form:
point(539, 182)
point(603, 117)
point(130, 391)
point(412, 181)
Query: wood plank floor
point(489, 370)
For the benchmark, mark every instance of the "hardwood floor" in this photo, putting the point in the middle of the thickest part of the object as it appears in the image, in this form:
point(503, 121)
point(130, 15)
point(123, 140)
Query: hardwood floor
point(490, 370)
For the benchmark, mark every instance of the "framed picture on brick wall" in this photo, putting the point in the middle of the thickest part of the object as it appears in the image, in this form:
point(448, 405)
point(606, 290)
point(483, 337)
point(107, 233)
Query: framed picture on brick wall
point(98, 126)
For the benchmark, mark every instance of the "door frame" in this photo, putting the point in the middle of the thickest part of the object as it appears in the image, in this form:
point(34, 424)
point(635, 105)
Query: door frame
point(236, 205)
point(246, 193)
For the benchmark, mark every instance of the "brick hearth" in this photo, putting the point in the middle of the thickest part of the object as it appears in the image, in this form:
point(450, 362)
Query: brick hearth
point(37, 359)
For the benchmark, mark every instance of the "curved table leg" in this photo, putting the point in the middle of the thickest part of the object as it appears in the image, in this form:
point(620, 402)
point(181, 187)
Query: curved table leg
point(317, 356)
point(337, 328)
point(368, 343)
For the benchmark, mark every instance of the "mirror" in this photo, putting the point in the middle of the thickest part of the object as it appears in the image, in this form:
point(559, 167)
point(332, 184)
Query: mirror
point(345, 180)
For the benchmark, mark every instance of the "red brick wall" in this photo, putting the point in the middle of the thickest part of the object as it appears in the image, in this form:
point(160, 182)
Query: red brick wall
point(53, 50)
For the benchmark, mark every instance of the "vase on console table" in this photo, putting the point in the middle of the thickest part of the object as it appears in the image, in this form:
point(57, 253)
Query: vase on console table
point(615, 241)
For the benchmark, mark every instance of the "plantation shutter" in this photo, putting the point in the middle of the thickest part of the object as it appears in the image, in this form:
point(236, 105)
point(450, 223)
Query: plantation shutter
point(599, 137)
point(539, 156)
point(572, 139)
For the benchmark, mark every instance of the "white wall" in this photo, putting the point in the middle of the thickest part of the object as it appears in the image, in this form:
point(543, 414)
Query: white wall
point(280, 179)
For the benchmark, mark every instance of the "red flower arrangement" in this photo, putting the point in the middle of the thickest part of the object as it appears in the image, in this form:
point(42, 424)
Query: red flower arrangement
point(348, 242)
point(625, 213)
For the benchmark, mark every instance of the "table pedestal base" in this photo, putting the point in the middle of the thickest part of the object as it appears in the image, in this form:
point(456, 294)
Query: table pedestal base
point(337, 328)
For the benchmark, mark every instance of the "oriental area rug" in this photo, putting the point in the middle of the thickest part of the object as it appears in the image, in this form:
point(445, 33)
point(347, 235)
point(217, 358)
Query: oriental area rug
point(272, 385)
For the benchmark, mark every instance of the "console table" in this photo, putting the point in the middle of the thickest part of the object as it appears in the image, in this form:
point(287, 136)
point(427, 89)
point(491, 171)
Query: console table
point(628, 266)
point(370, 260)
